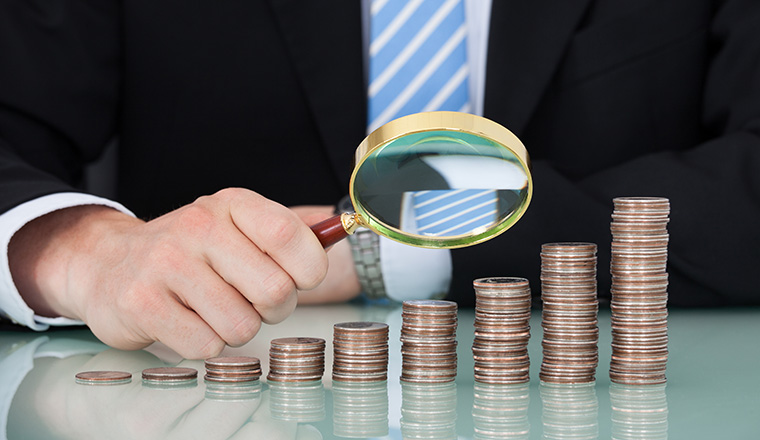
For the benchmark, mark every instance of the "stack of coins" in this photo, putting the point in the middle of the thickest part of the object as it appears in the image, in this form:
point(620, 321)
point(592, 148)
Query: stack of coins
point(501, 411)
point(429, 411)
point(103, 377)
point(232, 369)
point(360, 351)
point(569, 316)
point(639, 290)
point(569, 411)
point(639, 412)
point(429, 341)
point(360, 409)
point(170, 377)
point(296, 359)
point(502, 330)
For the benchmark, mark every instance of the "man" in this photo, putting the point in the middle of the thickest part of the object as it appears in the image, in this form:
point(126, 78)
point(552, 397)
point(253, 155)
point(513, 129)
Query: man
point(611, 98)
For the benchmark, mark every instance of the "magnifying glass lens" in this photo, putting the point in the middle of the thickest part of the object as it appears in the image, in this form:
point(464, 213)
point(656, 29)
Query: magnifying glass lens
point(441, 188)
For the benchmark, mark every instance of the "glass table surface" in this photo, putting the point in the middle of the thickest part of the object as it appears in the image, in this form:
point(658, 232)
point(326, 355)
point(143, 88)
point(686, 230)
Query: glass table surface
point(713, 389)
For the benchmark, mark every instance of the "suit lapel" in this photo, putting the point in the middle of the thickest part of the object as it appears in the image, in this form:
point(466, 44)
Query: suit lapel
point(526, 43)
point(325, 43)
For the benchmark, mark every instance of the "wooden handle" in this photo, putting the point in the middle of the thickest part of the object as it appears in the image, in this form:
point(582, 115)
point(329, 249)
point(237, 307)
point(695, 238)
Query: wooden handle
point(330, 231)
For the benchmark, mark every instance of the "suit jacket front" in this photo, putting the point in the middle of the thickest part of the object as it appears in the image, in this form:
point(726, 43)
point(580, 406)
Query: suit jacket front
point(611, 98)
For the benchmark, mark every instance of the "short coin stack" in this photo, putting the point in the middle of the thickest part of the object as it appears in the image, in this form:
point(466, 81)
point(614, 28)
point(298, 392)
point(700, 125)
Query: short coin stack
point(170, 377)
point(103, 377)
point(429, 341)
point(360, 352)
point(232, 369)
point(502, 330)
point(569, 316)
point(639, 290)
point(296, 359)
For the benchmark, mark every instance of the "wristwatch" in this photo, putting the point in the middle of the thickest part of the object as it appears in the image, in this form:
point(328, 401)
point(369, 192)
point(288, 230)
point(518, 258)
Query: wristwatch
point(365, 249)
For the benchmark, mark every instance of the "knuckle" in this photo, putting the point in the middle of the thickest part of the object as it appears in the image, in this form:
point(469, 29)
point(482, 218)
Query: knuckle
point(282, 230)
point(195, 219)
point(205, 349)
point(315, 274)
point(278, 288)
point(244, 330)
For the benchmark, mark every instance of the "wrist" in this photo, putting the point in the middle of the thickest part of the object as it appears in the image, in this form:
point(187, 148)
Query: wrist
point(50, 257)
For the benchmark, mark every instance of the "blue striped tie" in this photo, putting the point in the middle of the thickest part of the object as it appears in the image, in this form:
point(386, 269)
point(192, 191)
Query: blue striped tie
point(417, 59)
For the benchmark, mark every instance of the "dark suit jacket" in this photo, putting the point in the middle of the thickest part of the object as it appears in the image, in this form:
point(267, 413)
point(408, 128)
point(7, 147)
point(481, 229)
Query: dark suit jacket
point(611, 98)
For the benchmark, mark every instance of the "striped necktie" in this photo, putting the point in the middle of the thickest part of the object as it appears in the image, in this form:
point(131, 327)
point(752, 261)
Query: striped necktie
point(417, 59)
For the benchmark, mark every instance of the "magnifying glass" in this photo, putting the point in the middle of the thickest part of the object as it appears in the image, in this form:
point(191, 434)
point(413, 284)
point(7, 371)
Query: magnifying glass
point(435, 180)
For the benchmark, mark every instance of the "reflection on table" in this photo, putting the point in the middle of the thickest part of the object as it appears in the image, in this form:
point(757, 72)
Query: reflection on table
point(713, 391)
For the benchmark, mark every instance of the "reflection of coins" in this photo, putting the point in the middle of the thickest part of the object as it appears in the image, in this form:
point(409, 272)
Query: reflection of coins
point(232, 369)
point(103, 377)
point(502, 330)
point(569, 316)
point(296, 359)
point(360, 351)
point(639, 290)
point(297, 401)
point(169, 374)
point(428, 341)
point(360, 410)
point(428, 410)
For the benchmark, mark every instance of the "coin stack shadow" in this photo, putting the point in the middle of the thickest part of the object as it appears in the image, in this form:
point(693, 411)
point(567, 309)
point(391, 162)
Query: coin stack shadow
point(501, 411)
point(296, 359)
point(360, 352)
point(502, 330)
point(639, 290)
point(232, 369)
point(360, 409)
point(639, 412)
point(569, 315)
point(429, 341)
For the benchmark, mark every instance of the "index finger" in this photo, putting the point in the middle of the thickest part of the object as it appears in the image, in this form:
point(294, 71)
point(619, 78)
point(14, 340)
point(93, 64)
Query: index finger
point(281, 234)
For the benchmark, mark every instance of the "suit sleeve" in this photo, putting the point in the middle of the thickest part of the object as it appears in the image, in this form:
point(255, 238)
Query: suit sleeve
point(59, 86)
point(714, 189)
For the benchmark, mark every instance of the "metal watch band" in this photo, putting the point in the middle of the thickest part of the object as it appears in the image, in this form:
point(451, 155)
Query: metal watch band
point(365, 249)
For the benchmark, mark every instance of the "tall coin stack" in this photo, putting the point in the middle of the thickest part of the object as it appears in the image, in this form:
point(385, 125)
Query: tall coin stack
point(569, 316)
point(429, 341)
point(360, 351)
point(502, 330)
point(639, 290)
point(296, 359)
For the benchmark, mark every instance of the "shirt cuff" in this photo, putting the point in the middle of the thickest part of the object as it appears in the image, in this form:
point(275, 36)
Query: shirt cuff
point(411, 272)
point(11, 303)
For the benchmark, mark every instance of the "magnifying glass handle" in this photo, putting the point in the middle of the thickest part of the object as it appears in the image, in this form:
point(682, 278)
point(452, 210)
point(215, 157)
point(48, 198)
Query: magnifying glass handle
point(335, 229)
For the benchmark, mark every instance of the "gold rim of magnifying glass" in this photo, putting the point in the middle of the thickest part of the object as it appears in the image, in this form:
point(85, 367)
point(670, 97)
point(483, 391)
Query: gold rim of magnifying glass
point(443, 121)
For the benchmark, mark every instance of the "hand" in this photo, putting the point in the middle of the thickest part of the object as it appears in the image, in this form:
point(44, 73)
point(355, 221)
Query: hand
point(341, 283)
point(200, 277)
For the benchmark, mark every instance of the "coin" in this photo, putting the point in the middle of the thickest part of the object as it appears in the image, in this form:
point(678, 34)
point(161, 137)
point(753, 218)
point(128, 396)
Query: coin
point(296, 359)
point(232, 369)
point(360, 352)
point(169, 374)
point(103, 377)
point(428, 341)
point(569, 312)
point(502, 330)
point(639, 290)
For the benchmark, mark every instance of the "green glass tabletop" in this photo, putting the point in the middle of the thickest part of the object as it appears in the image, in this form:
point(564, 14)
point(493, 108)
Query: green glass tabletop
point(713, 390)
